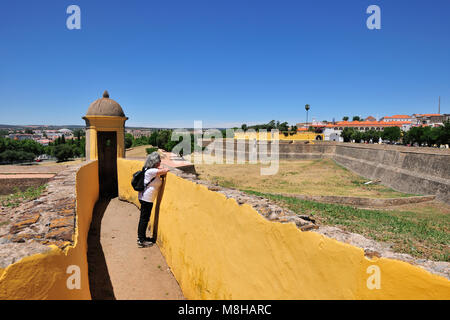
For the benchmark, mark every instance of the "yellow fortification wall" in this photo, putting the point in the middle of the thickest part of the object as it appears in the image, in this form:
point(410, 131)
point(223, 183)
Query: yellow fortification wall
point(220, 250)
point(44, 276)
point(302, 136)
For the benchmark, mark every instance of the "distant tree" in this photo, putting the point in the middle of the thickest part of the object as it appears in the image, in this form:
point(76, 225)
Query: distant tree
point(63, 152)
point(356, 118)
point(283, 126)
point(244, 127)
point(271, 125)
point(29, 131)
point(444, 134)
point(345, 118)
point(347, 133)
point(373, 135)
point(152, 138)
point(128, 140)
point(392, 134)
point(357, 136)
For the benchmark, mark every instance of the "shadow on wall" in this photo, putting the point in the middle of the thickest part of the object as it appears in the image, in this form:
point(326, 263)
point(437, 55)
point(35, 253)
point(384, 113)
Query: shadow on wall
point(99, 280)
point(218, 249)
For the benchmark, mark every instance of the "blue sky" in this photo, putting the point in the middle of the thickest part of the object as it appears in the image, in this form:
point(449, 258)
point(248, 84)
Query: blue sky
point(225, 62)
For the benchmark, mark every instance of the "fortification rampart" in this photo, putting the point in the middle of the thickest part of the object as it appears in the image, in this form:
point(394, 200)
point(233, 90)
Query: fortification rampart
point(422, 171)
point(44, 275)
point(218, 249)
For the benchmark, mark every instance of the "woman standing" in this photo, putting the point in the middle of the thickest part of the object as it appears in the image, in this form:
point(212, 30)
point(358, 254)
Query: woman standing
point(152, 183)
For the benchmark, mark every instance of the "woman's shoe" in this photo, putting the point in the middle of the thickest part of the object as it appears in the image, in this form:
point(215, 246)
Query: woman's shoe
point(152, 240)
point(144, 243)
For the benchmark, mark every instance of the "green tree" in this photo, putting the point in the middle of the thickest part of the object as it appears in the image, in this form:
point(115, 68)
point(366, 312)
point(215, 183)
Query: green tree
point(345, 118)
point(63, 152)
point(347, 133)
point(392, 134)
point(128, 140)
point(356, 118)
point(357, 136)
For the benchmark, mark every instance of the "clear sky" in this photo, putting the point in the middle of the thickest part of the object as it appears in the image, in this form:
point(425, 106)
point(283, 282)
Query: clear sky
point(225, 62)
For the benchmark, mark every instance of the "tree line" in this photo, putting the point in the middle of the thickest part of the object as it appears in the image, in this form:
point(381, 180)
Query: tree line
point(16, 151)
point(420, 136)
point(271, 125)
point(161, 139)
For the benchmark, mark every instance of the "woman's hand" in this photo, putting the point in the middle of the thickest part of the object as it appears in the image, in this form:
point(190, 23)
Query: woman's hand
point(162, 171)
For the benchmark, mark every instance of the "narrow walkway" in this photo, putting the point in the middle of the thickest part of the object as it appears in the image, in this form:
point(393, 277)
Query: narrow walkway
point(118, 269)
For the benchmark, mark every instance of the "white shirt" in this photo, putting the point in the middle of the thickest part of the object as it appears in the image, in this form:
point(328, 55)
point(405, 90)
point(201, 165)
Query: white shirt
point(150, 192)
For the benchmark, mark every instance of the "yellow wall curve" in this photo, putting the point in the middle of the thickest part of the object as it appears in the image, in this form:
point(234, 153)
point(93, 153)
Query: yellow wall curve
point(218, 249)
point(44, 276)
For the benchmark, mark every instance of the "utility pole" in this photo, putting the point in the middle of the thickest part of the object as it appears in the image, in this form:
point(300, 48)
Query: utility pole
point(439, 105)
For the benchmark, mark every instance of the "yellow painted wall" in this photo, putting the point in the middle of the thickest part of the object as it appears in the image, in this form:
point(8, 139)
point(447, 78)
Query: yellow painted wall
point(43, 276)
point(104, 123)
point(220, 250)
point(301, 136)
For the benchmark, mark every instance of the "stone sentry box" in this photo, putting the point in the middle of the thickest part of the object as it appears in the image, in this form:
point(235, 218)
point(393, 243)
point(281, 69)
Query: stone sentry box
point(105, 140)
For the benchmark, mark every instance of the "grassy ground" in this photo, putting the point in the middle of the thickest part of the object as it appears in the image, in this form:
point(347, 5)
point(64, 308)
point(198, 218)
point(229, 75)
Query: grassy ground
point(15, 199)
point(137, 152)
point(423, 231)
point(310, 177)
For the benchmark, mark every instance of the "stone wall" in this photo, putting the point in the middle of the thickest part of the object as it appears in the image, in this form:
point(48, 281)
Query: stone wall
point(42, 238)
point(9, 185)
point(411, 171)
point(420, 171)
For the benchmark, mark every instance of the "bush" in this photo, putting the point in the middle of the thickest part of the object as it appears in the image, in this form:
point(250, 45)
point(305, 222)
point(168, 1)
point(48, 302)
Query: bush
point(150, 150)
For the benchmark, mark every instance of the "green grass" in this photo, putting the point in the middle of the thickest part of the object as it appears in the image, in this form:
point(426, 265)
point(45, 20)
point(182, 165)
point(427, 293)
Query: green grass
point(418, 234)
point(15, 199)
point(4, 223)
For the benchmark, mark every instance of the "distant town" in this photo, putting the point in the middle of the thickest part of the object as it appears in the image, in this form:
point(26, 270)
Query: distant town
point(332, 130)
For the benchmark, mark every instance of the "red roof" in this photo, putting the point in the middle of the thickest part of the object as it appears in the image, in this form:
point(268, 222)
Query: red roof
point(398, 116)
point(370, 123)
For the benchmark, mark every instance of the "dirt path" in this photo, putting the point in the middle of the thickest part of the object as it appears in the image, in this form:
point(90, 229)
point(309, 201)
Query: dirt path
point(118, 269)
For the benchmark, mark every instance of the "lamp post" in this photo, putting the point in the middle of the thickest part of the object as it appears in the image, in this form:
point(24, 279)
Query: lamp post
point(307, 109)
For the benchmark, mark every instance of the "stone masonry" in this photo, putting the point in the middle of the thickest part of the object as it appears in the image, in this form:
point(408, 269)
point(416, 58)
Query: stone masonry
point(34, 225)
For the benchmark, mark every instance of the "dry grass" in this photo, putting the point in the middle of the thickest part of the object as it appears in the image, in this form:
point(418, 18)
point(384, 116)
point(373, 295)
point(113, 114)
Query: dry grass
point(137, 152)
point(423, 232)
point(310, 177)
point(68, 162)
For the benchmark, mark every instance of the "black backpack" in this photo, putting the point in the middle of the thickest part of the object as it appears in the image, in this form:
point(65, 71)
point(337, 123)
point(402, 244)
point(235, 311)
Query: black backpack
point(137, 182)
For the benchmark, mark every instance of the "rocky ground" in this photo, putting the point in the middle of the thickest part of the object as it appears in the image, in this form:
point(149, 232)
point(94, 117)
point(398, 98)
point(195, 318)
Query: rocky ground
point(274, 212)
point(33, 225)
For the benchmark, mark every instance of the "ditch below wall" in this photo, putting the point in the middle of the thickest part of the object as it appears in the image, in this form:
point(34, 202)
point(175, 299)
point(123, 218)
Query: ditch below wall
point(420, 171)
